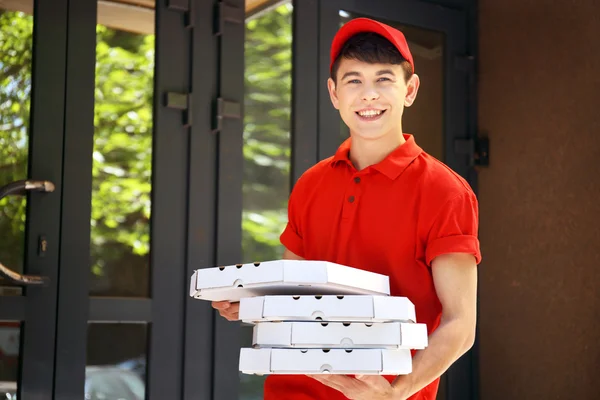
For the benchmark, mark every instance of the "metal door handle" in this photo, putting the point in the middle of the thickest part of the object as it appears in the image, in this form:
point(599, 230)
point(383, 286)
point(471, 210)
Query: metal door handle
point(20, 188)
point(21, 280)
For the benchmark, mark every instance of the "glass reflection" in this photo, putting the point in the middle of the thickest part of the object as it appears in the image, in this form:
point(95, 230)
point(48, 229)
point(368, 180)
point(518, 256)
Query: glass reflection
point(10, 332)
point(116, 362)
point(122, 166)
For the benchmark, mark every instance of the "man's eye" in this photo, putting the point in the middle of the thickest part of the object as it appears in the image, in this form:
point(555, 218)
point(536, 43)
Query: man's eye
point(383, 79)
point(354, 81)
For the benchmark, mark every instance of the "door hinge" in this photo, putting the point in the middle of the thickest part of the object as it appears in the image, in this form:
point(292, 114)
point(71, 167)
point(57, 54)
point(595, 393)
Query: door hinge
point(465, 63)
point(183, 102)
point(226, 13)
point(225, 109)
point(185, 6)
point(478, 150)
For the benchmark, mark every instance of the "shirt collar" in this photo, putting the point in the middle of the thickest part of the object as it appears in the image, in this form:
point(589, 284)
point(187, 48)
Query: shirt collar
point(391, 166)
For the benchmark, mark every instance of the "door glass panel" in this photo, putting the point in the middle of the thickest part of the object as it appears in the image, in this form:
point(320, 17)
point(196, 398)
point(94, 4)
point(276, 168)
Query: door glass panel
point(116, 361)
point(425, 118)
point(267, 146)
point(10, 333)
point(16, 51)
point(122, 166)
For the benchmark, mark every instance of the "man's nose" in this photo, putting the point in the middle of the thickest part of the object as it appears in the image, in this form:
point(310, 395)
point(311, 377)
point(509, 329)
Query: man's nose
point(370, 94)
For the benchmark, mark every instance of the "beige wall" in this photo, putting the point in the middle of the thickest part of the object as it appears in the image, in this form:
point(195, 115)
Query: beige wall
point(539, 88)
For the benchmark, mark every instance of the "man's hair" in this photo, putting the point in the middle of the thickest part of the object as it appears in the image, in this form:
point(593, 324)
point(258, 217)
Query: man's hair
point(371, 48)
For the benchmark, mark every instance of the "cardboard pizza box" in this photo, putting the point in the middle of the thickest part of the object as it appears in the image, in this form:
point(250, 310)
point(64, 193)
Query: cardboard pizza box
point(348, 308)
point(357, 335)
point(234, 282)
point(325, 361)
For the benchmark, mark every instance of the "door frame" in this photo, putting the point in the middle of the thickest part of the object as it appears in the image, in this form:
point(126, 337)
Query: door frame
point(54, 319)
point(35, 308)
point(163, 311)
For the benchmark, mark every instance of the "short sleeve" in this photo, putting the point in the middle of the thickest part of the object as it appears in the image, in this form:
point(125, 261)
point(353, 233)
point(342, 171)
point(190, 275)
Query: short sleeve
point(291, 237)
point(455, 229)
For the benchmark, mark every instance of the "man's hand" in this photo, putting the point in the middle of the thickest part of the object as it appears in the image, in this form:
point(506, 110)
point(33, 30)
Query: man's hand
point(229, 311)
point(362, 387)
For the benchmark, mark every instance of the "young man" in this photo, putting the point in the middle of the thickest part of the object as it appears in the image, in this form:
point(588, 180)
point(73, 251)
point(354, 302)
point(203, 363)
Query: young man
point(382, 204)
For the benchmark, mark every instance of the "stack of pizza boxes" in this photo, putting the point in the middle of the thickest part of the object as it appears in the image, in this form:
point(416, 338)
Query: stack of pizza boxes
point(315, 317)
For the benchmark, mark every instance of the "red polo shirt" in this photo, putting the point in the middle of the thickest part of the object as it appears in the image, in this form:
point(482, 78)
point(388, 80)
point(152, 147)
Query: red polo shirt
point(392, 218)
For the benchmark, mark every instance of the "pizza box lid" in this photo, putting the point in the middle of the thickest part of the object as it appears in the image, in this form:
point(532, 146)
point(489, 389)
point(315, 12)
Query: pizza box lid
point(234, 282)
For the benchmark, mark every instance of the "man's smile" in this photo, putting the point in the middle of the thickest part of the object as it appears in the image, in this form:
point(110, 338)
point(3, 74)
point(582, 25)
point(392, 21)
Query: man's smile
point(369, 114)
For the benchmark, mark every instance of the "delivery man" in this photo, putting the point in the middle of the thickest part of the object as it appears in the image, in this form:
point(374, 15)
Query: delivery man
point(384, 205)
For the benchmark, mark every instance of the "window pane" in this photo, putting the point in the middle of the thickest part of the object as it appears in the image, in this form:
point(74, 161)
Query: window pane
point(120, 225)
point(16, 31)
point(425, 118)
point(10, 333)
point(267, 146)
point(116, 362)
point(267, 121)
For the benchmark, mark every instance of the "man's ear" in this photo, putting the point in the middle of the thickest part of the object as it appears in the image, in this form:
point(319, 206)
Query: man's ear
point(333, 94)
point(411, 90)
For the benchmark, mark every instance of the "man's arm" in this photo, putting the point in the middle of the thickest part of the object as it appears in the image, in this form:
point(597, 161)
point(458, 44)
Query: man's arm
point(288, 255)
point(455, 280)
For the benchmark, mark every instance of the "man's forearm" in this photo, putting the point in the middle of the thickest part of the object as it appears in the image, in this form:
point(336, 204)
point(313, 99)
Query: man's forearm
point(448, 343)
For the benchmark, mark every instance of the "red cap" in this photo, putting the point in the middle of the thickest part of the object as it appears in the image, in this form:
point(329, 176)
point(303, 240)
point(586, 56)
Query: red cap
point(359, 25)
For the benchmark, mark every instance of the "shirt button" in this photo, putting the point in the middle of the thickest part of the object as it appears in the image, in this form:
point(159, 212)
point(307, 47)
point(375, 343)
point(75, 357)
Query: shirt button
point(357, 180)
point(351, 199)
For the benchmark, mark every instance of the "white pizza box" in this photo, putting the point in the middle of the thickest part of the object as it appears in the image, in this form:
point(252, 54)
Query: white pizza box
point(357, 335)
point(349, 308)
point(234, 282)
point(325, 361)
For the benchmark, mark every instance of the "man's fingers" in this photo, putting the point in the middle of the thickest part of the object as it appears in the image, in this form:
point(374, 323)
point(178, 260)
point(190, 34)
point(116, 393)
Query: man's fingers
point(230, 317)
point(376, 384)
point(375, 381)
point(341, 383)
point(221, 305)
point(339, 379)
point(228, 310)
point(234, 308)
point(226, 305)
point(372, 380)
point(229, 314)
point(360, 387)
point(325, 380)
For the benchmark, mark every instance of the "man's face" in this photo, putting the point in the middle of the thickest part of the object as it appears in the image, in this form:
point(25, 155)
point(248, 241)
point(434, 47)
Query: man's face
point(371, 97)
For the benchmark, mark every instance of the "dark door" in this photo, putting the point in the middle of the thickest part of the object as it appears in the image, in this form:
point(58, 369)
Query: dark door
point(32, 95)
point(438, 118)
point(93, 104)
